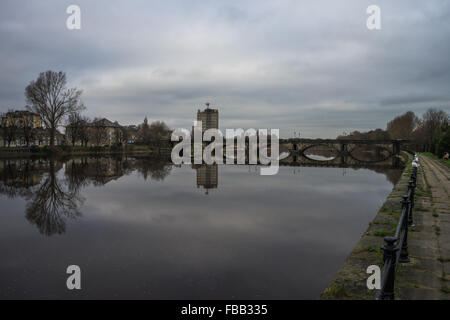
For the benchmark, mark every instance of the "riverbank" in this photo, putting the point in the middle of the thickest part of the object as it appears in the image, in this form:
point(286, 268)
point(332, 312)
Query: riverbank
point(350, 280)
point(433, 156)
point(427, 275)
point(15, 152)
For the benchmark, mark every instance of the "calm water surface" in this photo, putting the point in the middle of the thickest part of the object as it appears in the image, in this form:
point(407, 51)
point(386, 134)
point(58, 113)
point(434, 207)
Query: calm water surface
point(141, 228)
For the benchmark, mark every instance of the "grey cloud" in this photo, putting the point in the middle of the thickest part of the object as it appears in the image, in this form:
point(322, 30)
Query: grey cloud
point(311, 65)
point(411, 99)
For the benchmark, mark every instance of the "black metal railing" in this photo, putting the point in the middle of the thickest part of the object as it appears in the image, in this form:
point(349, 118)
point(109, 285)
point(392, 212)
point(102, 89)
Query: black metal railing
point(395, 248)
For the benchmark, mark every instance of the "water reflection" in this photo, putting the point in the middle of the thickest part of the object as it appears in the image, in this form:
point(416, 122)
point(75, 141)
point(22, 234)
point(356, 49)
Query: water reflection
point(18, 176)
point(207, 176)
point(149, 225)
point(53, 196)
point(52, 202)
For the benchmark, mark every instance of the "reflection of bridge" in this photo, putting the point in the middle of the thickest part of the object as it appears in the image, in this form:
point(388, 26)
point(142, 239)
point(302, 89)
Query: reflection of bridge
point(345, 152)
point(303, 161)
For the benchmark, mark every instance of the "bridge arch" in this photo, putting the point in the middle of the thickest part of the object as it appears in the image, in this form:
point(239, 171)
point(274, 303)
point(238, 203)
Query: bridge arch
point(344, 151)
point(332, 147)
point(389, 154)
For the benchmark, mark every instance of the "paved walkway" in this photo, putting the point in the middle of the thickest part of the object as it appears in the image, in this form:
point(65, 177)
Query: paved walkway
point(427, 276)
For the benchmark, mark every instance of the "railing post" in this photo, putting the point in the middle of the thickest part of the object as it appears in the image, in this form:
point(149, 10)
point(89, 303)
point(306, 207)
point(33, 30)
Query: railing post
point(389, 253)
point(411, 189)
point(414, 175)
point(404, 255)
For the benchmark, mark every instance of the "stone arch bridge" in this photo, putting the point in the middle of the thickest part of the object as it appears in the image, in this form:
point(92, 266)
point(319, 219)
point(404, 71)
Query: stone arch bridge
point(346, 152)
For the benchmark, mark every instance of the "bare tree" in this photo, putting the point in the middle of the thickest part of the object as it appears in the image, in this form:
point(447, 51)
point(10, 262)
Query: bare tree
point(144, 132)
point(158, 133)
point(118, 133)
point(97, 132)
point(10, 128)
point(2, 132)
point(52, 100)
point(377, 134)
point(443, 144)
point(27, 130)
point(74, 128)
point(84, 133)
point(403, 126)
point(40, 134)
point(433, 121)
point(125, 132)
point(10, 134)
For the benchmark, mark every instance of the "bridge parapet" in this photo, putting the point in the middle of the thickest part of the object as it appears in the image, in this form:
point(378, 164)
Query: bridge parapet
point(345, 150)
point(340, 145)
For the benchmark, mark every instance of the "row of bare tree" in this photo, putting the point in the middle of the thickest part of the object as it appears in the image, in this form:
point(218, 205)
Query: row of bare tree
point(155, 134)
point(52, 100)
point(27, 134)
point(23, 131)
point(83, 130)
point(58, 105)
point(431, 133)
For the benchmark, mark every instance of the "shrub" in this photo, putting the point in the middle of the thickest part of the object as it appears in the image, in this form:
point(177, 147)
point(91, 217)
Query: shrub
point(443, 144)
point(35, 149)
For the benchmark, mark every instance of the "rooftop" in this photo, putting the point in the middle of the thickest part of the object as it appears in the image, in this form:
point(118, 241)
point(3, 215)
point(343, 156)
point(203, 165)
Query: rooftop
point(106, 123)
point(21, 113)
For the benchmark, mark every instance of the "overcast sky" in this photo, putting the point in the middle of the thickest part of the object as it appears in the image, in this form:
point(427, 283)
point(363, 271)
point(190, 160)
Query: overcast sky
point(309, 66)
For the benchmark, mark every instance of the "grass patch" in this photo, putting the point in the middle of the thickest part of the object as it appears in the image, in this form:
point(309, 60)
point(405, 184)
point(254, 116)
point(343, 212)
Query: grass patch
point(336, 291)
point(433, 156)
point(420, 208)
point(375, 249)
point(435, 214)
point(387, 211)
point(384, 233)
point(437, 230)
point(427, 185)
point(441, 259)
point(445, 289)
point(423, 193)
point(429, 154)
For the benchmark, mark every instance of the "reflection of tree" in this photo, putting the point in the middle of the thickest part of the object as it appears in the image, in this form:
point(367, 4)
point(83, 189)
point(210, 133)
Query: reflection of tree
point(97, 171)
point(158, 169)
point(51, 203)
point(75, 174)
point(392, 175)
point(18, 177)
point(52, 198)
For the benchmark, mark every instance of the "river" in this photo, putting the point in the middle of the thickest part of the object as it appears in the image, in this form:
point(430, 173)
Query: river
point(146, 229)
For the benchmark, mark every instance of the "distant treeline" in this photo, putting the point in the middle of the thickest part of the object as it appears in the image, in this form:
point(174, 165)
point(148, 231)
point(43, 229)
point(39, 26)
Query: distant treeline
point(431, 133)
